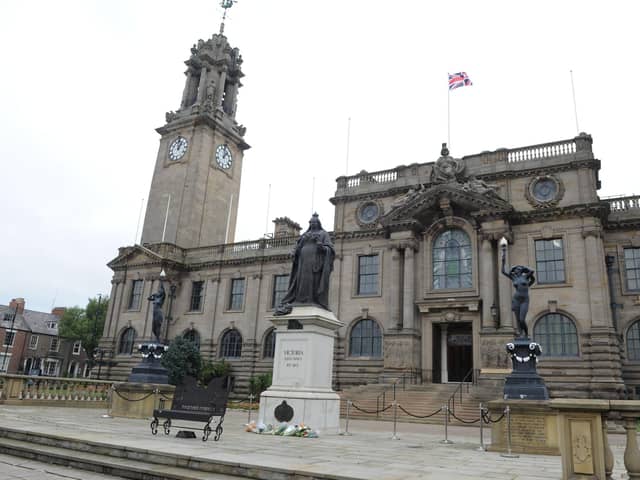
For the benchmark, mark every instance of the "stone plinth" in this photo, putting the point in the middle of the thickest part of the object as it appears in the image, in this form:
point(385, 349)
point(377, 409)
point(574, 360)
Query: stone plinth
point(524, 382)
point(583, 438)
point(138, 400)
point(534, 427)
point(302, 371)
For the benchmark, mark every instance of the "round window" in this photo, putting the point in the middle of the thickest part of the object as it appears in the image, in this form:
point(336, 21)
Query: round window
point(369, 212)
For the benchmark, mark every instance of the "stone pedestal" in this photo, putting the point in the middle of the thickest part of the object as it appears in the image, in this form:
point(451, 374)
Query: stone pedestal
point(523, 382)
point(583, 438)
point(138, 400)
point(149, 370)
point(302, 371)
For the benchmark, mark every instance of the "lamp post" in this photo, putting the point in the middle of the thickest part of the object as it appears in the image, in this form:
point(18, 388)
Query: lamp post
point(95, 332)
point(6, 333)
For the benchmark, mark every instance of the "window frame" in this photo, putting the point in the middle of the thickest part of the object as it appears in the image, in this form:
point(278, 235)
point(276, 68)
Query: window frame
point(200, 296)
point(5, 361)
point(137, 305)
point(33, 345)
point(56, 366)
point(8, 333)
point(275, 292)
point(372, 355)
point(269, 346)
point(231, 306)
point(192, 332)
point(77, 348)
point(624, 270)
point(546, 349)
point(132, 341)
point(224, 345)
point(359, 275)
point(627, 338)
point(472, 260)
point(55, 341)
point(562, 249)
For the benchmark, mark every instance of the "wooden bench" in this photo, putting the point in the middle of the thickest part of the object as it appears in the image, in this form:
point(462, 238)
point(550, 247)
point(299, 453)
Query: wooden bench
point(194, 403)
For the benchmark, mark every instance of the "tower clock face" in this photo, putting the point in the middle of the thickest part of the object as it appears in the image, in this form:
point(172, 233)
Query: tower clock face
point(224, 159)
point(178, 148)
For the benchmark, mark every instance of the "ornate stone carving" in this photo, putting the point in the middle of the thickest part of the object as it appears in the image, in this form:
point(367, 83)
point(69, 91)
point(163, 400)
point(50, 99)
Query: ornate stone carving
point(368, 212)
point(544, 191)
point(446, 169)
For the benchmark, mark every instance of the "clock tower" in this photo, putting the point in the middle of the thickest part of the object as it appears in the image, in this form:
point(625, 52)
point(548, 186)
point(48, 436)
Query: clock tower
point(193, 200)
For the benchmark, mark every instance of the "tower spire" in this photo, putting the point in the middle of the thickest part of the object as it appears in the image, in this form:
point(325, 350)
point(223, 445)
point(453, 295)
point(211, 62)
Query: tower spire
point(225, 4)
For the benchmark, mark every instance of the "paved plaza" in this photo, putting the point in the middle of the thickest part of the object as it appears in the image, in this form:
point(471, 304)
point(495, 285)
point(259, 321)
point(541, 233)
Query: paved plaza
point(369, 453)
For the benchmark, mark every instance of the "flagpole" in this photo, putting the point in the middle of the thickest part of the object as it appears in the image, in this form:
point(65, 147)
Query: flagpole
point(575, 108)
point(448, 116)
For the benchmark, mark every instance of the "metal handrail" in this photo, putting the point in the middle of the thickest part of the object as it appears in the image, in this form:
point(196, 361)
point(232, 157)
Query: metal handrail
point(413, 374)
point(451, 402)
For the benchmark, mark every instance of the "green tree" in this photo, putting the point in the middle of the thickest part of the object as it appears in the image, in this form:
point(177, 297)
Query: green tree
point(182, 358)
point(85, 324)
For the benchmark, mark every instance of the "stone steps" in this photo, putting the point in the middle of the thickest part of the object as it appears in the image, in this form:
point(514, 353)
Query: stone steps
point(133, 463)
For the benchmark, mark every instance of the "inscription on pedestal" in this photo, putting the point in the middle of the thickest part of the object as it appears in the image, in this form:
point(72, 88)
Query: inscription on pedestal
point(293, 358)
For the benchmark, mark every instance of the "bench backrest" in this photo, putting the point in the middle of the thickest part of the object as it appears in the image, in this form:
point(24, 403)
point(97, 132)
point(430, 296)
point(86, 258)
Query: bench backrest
point(212, 399)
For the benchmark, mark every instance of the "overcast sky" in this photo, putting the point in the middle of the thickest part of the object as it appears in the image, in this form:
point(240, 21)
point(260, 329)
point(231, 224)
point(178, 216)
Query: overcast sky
point(84, 84)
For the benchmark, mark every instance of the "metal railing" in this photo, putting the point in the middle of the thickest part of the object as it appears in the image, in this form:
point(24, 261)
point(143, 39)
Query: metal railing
point(411, 373)
point(468, 380)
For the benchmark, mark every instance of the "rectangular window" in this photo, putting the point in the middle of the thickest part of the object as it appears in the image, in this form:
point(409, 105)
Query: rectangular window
point(52, 325)
point(9, 338)
point(632, 268)
point(549, 261)
point(368, 271)
point(196, 296)
point(280, 287)
point(33, 342)
point(55, 344)
point(136, 295)
point(4, 361)
point(236, 300)
point(77, 348)
point(51, 368)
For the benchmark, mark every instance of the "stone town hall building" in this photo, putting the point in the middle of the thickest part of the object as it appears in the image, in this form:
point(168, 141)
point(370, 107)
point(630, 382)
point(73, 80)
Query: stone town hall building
point(416, 278)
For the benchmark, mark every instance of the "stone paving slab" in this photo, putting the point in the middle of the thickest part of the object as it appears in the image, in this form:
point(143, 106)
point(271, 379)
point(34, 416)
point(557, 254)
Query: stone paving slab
point(369, 453)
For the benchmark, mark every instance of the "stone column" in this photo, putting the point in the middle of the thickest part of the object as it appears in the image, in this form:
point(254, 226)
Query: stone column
point(486, 278)
point(505, 292)
point(187, 89)
point(444, 373)
point(394, 289)
point(113, 301)
point(597, 279)
point(408, 309)
point(202, 85)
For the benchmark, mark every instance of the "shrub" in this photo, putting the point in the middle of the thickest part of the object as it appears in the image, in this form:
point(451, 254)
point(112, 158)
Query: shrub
point(213, 369)
point(182, 359)
point(259, 383)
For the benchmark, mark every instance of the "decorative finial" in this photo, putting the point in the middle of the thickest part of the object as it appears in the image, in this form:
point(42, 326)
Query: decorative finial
point(225, 4)
point(445, 151)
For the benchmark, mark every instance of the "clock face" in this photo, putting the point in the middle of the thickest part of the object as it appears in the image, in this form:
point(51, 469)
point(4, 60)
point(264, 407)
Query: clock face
point(545, 189)
point(223, 157)
point(369, 212)
point(178, 148)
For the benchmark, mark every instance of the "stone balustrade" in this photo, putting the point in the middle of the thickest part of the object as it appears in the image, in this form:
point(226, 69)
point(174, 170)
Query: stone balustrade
point(564, 150)
point(53, 391)
point(623, 204)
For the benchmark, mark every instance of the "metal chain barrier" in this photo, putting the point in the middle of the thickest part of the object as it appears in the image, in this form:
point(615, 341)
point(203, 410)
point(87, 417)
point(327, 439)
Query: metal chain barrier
point(487, 417)
point(420, 416)
point(136, 399)
point(468, 422)
point(374, 411)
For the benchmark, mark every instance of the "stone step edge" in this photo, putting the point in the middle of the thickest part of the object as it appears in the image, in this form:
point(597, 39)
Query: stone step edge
point(126, 468)
point(159, 459)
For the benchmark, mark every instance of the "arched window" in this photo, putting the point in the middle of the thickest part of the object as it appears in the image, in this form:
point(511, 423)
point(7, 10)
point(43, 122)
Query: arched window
point(557, 335)
point(128, 337)
point(193, 336)
point(452, 260)
point(269, 347)
point(231, 345)
point(633, 341)
point(366, 339)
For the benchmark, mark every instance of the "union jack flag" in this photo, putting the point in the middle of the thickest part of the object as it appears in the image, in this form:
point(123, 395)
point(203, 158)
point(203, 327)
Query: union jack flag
point(460, 79)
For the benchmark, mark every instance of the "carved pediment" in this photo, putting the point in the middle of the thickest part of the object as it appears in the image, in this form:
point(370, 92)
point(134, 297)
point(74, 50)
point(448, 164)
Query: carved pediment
point(422, 207)
point(138, 255)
